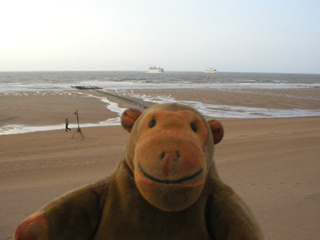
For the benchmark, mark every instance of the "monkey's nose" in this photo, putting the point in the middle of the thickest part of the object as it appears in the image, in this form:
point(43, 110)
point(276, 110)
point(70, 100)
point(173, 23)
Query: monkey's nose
point(168, 159)
point(174, 155)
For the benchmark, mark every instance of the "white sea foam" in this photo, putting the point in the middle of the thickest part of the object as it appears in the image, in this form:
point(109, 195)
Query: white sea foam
point(180, 85)
point(114, 85)
point(18, 129)
point(226, 111)
point(112, 106)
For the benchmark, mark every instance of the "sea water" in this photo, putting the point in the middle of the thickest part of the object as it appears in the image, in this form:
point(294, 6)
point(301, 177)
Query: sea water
point(34, 81)
point(23, 82)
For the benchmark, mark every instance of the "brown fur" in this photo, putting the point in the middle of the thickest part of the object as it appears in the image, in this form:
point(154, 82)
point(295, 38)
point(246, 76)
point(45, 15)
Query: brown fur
point(165, 187)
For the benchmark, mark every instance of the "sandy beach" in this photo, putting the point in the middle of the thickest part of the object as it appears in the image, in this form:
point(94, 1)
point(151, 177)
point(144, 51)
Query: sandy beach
point(273, 164)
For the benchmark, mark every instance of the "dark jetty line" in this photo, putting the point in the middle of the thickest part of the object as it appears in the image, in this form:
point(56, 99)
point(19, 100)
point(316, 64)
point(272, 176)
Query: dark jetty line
point(86, 87)
point(127, 100)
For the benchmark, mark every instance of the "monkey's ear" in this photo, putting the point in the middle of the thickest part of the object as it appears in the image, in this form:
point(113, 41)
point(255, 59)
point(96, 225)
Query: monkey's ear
point(217, 130)
point(129, 117)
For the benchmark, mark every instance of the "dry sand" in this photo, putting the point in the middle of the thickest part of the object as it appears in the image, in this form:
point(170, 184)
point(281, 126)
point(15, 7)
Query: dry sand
point(273, 164)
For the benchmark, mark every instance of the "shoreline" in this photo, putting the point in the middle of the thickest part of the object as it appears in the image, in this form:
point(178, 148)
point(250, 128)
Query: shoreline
point(14, 130)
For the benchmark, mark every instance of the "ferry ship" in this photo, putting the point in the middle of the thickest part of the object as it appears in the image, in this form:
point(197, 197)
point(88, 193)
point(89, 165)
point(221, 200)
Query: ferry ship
point(210, 70)
point(154, 69)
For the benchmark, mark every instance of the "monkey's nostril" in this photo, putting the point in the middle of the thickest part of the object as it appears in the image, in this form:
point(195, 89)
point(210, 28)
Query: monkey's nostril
point(178, 155)
point(163, 155)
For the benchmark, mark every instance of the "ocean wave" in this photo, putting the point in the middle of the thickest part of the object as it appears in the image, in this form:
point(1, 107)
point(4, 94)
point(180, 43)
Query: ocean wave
point(29, 81)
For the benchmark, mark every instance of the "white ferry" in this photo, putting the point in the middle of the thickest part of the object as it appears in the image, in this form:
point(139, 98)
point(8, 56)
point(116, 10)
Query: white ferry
point(210, 70)
point(154, 69)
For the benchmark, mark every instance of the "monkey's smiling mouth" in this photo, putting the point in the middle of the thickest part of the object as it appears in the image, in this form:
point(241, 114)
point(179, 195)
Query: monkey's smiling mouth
point(180, 180)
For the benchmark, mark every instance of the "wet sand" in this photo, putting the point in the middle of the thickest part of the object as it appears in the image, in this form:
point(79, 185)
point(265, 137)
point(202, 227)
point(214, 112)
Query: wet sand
point(52, 107)
point(273, 164)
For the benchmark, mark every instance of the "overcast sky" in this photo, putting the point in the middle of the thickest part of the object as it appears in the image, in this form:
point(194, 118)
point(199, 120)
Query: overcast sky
point(178, 35)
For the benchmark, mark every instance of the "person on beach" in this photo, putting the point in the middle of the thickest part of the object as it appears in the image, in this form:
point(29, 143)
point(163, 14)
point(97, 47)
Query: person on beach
point(67, 125)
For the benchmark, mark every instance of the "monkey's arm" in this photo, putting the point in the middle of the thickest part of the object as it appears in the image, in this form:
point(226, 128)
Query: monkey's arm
point(230, 218)
point(74, 215)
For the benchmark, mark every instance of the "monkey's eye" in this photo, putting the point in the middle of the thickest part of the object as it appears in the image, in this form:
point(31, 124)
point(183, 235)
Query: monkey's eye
point(194, 127)
point(152, 123)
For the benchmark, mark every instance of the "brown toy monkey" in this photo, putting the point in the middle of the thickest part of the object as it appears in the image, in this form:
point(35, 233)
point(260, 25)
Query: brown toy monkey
point(165, 187)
